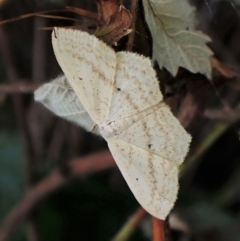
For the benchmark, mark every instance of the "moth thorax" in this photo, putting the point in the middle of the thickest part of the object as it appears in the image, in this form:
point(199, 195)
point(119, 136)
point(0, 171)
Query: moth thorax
point(107, 130)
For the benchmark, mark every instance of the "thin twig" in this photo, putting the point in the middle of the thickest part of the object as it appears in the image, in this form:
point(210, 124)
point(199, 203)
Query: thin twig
point(81, 167)
point(18, 87)
point(224, 114)
point(39, 50)
point(134, 17)
point(82, 12)
point(130, 225)
point(158, 229)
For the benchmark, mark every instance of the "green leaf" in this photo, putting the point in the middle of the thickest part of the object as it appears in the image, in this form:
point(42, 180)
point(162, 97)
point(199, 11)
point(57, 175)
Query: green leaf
point(175, 41)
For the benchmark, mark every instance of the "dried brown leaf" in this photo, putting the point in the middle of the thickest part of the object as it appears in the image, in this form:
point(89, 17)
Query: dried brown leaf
point(114, 21)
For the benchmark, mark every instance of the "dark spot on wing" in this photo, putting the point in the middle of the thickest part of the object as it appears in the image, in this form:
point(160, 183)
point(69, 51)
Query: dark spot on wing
point(55, 35)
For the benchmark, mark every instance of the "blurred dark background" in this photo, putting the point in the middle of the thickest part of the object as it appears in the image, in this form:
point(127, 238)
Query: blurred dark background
point(34, 143)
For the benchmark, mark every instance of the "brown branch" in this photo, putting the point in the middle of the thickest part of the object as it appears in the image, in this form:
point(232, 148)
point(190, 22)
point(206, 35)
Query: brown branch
point(226, 114)
point(158, 229)
point(18, 87)
point(81, 167)
point(134, 17)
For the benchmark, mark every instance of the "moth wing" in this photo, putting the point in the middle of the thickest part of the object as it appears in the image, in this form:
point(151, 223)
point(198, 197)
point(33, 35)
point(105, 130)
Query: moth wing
point(159, 133)
point(136, 87)
point(148, 154)
point(89, 65)
point(152, 179)
point(59, 97)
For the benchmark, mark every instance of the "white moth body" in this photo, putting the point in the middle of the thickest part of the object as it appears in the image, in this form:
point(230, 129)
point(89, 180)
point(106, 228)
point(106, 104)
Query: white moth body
point(118, 93)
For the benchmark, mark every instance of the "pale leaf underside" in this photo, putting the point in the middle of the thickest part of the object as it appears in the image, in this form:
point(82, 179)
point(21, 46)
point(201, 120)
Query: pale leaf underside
point(175, 42)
